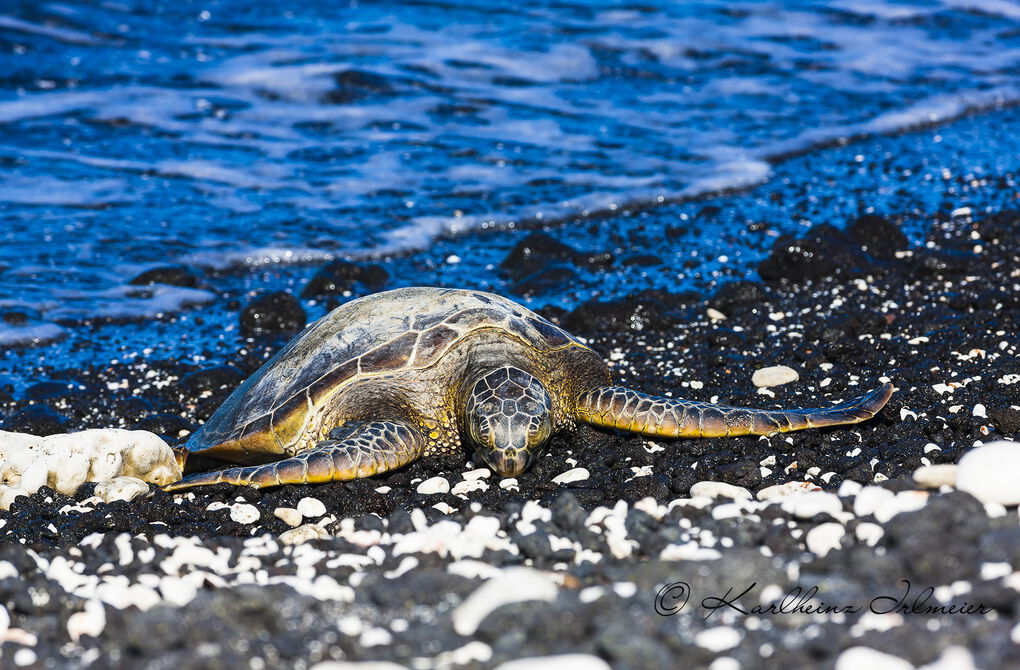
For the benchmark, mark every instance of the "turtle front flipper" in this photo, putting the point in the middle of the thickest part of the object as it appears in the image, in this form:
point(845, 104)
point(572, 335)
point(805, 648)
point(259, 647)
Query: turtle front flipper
point(356, 450)
point(632, 411)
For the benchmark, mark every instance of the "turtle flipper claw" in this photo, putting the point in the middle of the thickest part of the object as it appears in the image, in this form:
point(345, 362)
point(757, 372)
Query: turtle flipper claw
point(372, 448)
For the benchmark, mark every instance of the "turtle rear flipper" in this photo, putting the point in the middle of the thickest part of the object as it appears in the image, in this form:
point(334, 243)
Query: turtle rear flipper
point(361, 450)
point(632, 411)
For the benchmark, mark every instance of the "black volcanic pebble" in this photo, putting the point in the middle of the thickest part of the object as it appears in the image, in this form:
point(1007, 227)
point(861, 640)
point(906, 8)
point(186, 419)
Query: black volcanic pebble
point(878, 236)
point(539, 250)
point(211, 379)
point(50, 389)
point(355, 85)
point(733, 296)
point(339, 276)
point(167, 425)
point(544, 281)
point(272, 313)
point(648, 309)
point(941, 538)
point(643, 260)
point(36, 420)
point(171, 275)
point(823, 252)
point(18, 316)
point(944, 262)
point(1005, 419)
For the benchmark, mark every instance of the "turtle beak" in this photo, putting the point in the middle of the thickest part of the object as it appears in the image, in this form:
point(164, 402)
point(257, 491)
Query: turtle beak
point(505, 446)
point(510, 462)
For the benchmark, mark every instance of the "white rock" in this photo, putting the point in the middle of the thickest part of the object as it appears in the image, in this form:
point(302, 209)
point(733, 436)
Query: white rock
point(572, 475)
point(17, 441)
point(23, 657)
point(724, 663)
point(121, 488)
point(935, 476)
point(786, 490)
point(812, 503)
point(824, 537)
point(434, 485)
point(8, 495)
point(990, 473)
point(715, 314)
point(952, 658)
point(244, 513)
point(849, 488)
point(302, 534)
point(469, 485)
point(288, 515)
point(856, 658)
point(444, 507)
point(869, 533)
point(777, 375)
point(559, 662)
point(311, 508)
point(719, 638)
point(358, 665)
point(513, 585)
point(91, 621)
point(710, 489)
point(65, 461)
point(877, 501)
point(5, 619)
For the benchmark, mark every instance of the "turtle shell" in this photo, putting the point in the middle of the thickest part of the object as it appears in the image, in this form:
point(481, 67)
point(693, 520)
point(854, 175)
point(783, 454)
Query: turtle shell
point(403, 329)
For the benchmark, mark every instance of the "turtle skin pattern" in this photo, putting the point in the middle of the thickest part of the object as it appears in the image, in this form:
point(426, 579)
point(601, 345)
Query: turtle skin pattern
point(632, 411)
point(358, 449)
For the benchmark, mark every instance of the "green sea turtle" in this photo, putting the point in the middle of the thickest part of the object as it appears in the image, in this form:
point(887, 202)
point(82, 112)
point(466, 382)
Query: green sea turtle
point(394, 376)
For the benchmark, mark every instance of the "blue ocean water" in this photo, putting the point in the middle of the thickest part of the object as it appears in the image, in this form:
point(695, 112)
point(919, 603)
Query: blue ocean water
point(235, 134)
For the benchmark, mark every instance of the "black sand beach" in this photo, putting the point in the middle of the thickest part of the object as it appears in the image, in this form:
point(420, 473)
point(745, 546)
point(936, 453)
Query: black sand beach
point(601, 560)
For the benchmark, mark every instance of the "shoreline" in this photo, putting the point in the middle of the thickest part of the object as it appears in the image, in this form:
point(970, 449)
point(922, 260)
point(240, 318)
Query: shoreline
point(396, 567)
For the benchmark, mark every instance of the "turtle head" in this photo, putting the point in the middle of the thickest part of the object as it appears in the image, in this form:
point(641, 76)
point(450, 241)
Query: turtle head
point(508, 416)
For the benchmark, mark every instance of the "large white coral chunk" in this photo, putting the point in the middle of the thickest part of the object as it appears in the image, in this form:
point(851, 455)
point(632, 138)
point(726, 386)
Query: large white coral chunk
point(65, 462)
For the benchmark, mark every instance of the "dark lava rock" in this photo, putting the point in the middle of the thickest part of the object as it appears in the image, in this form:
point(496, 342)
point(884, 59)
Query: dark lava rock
point(18, 316)
point(539, 250)
point(272, 313)
point(355, 85)
point(733, 296)
point(823, 252)
point(878, 236)
point(171, 275)
point(648, 309)
point(944, 262)
point(544, 281)
point(339, 276)
point(1005, 419)
point(36, 420)
point(939, 542)
point(167, 425)
point(1001, 546)
point(211, 379)
point(643, 260)
point(48, 390)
